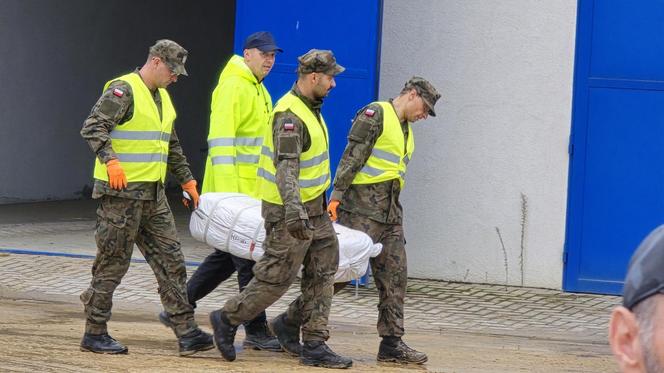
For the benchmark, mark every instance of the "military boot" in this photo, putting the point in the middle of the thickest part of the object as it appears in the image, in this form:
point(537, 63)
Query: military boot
point(394, 350)
point(318, 354)
point(224, 334)
point(102, 344)
point(287, 334)
point(194, 342)
point(259, 337)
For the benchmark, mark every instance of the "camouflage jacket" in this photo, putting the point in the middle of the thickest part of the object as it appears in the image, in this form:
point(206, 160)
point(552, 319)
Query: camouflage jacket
point(378, 201)
point(289, 144)
point(110, 111)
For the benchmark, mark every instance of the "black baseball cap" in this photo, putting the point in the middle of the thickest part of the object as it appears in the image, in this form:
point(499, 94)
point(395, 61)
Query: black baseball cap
point(645, 274)
point(262, 40)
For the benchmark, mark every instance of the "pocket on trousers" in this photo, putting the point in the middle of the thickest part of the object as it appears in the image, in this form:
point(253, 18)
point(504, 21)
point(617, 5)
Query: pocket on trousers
point(276, 265)
point(86, 296)
point(111, 217)
point(278, 241)
point(111, 232)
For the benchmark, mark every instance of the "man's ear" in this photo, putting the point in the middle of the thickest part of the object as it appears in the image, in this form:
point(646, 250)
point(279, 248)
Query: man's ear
point(624, 339)
point(412, 94)
point(155, 61)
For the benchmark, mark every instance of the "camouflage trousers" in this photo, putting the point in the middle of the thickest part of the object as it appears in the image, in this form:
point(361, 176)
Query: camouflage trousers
point(278, 268)
point(121, 222)
point(389, 270)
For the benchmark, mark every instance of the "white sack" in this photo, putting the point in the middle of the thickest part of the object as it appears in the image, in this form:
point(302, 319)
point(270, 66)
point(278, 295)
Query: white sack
point(232, 222)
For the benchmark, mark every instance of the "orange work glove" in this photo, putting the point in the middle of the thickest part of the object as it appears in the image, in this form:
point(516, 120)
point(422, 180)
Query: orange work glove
point(190, 187)
point(332, 209)
point(116, 176)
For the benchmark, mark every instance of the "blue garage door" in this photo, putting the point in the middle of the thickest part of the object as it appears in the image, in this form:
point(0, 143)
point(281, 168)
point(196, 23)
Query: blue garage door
point(617, 145)
point(350, 28)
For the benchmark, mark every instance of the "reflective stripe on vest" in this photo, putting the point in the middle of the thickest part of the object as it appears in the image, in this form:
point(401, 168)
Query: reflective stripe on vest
point(236, 142)
point(314, 163)
point(388, 159)
point(304, 183)
point(141, 143)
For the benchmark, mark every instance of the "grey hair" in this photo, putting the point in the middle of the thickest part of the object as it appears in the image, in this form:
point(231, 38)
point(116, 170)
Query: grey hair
point(644, 312)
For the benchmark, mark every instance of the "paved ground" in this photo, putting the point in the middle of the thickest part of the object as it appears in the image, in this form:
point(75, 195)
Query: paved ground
point(46, 251)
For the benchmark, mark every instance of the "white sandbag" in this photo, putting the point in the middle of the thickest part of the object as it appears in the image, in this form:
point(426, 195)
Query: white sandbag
point(232, 222)
point(355, 249)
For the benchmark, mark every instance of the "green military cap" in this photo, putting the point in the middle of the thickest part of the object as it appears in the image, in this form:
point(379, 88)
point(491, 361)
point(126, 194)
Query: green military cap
point(173, 55)
point(426, 90)
point(319, 61)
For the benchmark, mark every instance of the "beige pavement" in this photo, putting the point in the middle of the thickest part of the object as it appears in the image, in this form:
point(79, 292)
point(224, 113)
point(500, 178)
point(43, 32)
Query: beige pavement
point(46, 251)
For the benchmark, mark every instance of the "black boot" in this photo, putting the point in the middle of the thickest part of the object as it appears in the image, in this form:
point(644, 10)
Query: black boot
point(287, 334)
point(165, 320)
point(259, 337)
point(194, 342)
point(394, 350)
point(102, 344)
point(224, 334)
point(318, 354)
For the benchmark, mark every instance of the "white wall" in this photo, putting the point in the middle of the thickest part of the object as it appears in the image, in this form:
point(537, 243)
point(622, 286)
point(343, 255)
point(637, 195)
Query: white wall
point(505, 71)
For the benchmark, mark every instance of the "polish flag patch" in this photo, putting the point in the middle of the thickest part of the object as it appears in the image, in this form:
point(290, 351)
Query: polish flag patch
point(118, 92)
point(289, 126)
point(370, 113)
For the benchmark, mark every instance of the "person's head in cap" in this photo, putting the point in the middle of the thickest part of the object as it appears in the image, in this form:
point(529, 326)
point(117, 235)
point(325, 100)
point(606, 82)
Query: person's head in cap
point(416, 100)
point(636, 329)
point(259, 53)
point(165, 63)
point(316, 70)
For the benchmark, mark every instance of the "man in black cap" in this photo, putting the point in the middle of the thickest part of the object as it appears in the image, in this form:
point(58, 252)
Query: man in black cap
point(294, 173)
point(240, 112)
point(636, 329)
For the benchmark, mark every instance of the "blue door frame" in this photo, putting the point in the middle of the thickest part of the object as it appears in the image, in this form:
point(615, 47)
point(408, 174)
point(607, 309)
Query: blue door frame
point(616, 180)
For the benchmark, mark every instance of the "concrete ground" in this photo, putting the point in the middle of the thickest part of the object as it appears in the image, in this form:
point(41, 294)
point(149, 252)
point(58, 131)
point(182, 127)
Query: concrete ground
point(46, 251)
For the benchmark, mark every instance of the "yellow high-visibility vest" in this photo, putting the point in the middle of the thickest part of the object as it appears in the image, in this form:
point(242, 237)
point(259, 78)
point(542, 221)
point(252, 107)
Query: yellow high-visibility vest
point(388, 159)
point(240, 113)
point(314, 163)
point(142, 142)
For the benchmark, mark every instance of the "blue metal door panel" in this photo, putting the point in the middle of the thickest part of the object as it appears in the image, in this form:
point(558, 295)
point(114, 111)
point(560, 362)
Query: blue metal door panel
point(616, 184)
point(350, 28)
point(628, 39)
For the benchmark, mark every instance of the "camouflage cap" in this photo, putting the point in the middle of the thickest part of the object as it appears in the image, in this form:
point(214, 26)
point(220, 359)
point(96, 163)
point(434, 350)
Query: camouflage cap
point(426, 90)
point(173, 55)
point(319, 61)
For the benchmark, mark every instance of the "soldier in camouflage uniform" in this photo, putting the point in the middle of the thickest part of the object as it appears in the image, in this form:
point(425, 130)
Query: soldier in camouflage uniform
point(366, 191)
point(130, 131)
point(294, 174)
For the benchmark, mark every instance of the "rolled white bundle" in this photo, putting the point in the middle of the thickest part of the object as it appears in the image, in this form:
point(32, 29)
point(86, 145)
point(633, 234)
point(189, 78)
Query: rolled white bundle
point(232, 222)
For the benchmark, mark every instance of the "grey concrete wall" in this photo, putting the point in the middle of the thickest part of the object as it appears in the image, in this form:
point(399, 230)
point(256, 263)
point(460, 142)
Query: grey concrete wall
point(505, 71)
point(56, 56)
